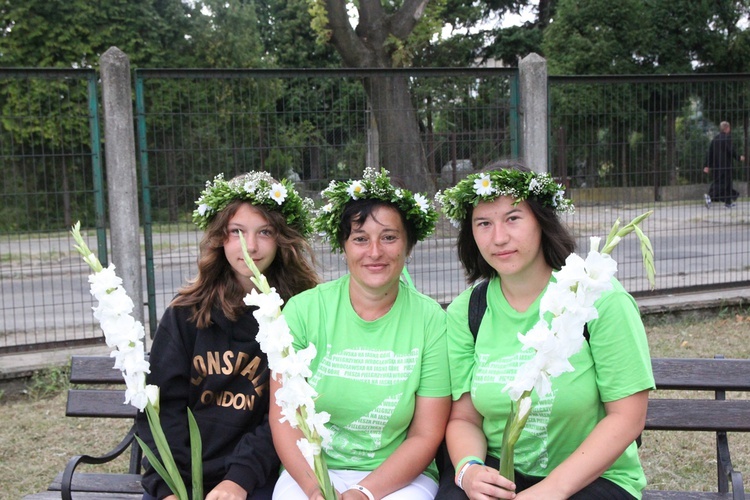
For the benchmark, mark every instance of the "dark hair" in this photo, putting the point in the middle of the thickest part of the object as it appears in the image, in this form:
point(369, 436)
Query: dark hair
point(557, 241)
point(216, 284)
point(357, 212)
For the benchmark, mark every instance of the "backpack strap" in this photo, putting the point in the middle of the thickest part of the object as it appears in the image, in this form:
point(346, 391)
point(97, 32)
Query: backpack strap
point(478, 305)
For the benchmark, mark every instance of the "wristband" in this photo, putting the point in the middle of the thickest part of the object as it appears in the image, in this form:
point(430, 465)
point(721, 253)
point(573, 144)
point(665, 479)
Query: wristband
point(468, 458)
point(463, 469)
point(363, 490)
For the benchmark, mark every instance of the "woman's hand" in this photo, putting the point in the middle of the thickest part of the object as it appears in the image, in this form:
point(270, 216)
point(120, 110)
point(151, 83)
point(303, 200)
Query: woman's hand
point(485, 483)
point(318, 495)
point(227, 490)
point(353, 495)
point(607, 441)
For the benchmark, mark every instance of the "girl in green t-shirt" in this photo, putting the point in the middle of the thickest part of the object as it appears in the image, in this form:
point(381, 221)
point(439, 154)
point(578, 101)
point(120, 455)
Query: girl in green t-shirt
point(578, 441)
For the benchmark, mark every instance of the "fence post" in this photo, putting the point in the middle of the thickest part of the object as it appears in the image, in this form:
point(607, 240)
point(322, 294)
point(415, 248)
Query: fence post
point(532, 73)
point(122, 185)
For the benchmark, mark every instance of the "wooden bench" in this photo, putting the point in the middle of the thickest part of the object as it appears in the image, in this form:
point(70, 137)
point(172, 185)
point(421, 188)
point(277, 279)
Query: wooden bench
point(712, 414)
point(96, 400)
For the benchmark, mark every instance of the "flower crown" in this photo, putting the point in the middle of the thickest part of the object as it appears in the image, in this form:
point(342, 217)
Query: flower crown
point(415, 206)
point(259, 188)
point(487, 186)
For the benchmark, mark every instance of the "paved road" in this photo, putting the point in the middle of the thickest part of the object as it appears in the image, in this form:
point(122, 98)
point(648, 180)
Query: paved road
point(46, 298)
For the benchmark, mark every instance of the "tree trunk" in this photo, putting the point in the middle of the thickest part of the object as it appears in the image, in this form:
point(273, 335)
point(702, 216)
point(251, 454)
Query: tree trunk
point(400, 144)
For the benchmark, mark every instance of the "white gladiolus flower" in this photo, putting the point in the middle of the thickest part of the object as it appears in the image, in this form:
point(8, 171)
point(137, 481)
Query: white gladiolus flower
point(121, 331)
point(594, 243)
point(600, 270)
point(569, 300)
point(104, 281)
point(564, 309)
point(268, 304)
point(316, 422)
point(295, 397)
point(309, 450)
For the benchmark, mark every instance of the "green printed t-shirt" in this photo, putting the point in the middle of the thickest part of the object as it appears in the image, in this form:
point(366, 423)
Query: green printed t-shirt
point(368, 373)
point(614, 364)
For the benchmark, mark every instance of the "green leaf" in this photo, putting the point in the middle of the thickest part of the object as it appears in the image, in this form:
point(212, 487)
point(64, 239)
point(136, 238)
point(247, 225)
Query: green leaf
point(196, 456)
point(162, 445)
point(158, 467)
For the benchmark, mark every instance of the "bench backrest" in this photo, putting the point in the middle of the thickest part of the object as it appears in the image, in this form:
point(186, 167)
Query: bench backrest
point(107, 402)
point(711, 413)
point(91, 402)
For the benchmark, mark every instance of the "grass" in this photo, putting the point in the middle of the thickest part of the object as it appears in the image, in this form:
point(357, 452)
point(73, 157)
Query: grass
point(37, 439)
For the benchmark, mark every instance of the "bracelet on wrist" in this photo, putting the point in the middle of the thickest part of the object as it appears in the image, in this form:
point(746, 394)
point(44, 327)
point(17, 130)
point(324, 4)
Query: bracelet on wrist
point(363, 490)
point(463, 469)
point(467, 458)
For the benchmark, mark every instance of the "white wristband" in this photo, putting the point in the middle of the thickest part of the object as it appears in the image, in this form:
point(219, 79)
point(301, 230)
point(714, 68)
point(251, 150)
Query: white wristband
point(460, 475)
point(364, 490)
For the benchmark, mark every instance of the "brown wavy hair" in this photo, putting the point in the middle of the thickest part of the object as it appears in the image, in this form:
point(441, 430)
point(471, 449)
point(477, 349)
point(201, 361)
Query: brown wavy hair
point(557, 241)
point(216, 285)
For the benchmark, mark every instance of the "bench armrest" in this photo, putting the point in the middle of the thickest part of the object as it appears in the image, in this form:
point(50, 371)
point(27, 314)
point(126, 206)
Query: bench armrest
point(726, 473)
point(67, 477)
point(738, 490)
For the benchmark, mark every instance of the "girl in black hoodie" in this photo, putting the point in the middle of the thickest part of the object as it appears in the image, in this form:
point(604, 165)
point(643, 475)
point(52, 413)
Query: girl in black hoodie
point(205, 356)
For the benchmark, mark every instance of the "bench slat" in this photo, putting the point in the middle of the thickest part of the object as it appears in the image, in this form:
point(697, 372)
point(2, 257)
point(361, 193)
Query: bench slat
point(683, 495)
point(98, 403)
point(698, 415)
point(85, 495)
point(702, 374)
point(94, 370)
point(101, 482)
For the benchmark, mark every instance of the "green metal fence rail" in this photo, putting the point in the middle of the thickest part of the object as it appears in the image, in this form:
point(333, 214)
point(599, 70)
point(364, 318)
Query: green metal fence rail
point(51, 177)
point(622, 144)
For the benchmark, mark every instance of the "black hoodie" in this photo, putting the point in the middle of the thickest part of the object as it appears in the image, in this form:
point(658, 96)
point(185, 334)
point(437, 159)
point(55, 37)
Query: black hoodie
point(221, 374)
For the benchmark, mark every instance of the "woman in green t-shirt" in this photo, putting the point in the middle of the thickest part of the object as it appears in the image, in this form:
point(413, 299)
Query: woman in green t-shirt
point(380, 368)
point(578, 441)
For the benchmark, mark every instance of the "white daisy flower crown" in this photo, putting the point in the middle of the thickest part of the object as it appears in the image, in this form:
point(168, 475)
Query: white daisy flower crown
point(487, 186)
point(258, 188)
point(374, 185)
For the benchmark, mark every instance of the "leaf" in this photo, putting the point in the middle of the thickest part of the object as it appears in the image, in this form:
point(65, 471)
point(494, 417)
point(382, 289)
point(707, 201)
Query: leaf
point(196, 456)
point(170, 468)
point(157, 465)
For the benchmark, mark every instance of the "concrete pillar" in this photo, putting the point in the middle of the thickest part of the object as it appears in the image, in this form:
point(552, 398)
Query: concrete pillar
point(122, 184)
point(532, 73)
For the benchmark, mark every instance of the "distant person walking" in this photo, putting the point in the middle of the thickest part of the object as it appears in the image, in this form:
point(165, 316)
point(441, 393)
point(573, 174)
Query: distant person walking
point(719, 165)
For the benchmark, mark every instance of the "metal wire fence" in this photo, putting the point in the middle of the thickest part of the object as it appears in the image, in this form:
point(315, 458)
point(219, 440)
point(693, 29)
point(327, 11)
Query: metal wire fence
point(312, 127)
point(51, 176)
point(631, 144)
point(623, 146)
